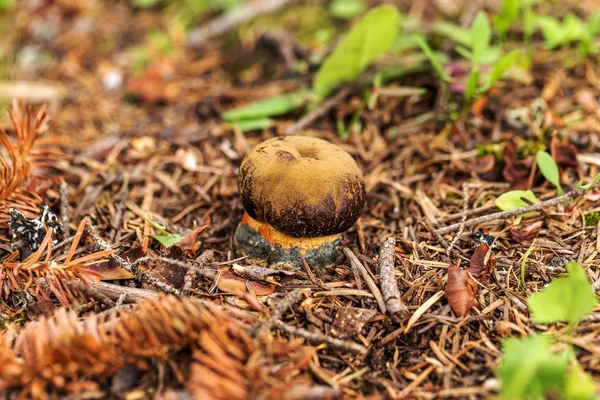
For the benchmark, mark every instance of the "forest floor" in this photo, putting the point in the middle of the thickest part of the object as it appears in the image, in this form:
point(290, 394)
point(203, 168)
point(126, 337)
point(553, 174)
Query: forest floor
point(136, 129)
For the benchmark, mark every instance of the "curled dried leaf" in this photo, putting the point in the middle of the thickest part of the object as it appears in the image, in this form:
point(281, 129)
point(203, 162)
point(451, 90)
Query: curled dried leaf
point(482, 263)
point(460, 290)
point(229, 282)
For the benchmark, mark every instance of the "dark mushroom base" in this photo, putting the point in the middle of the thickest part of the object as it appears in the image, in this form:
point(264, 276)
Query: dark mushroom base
point(266, 246)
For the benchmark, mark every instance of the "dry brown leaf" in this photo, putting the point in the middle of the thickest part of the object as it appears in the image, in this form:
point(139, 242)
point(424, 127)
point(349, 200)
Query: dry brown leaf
point(479, 165)
point(229, 282)
point(519, 173)
point(482, 264)
point(527, 233)
point(110, 270)
point(190, 244)
point(460, 290)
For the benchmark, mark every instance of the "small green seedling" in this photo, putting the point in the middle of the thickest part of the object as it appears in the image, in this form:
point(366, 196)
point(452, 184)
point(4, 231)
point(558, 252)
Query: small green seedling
point(256, 115)
point(474, 44)
point(549, 169)
point(567, 298)
point(588, 186)
point(433, 59)
point(571, 29)
point(165, 238)
point(535, 367)
point(514, 199)
point(372, 36)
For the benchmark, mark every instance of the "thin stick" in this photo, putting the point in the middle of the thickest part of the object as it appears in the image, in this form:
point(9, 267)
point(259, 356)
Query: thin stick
point(280, 307)
point(64, 207)
point(319, 112)
point(319, 338)
point(507, 214)
point(389, 284)
point(91, 291)
point(232, 19)
point(127, 266)
point(367, 277)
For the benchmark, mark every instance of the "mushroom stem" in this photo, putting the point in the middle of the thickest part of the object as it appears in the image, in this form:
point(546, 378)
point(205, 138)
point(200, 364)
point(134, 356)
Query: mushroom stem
point(265, 245)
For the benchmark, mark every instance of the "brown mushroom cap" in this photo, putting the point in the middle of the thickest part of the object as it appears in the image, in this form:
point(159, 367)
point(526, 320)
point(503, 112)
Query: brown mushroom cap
point(302, 186)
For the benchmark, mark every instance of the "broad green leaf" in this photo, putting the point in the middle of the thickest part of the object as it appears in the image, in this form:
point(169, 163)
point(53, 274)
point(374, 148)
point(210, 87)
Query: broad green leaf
point(346, 9)
point(579, 385)
point(501, 68)
point(277, 105)
point(472, 82)
point(530, 370)
point(435, 63)
point(369, 38)
point(508, 15)
point(167, 240)
point(512, 200)
point(567, 298)
point(481, 34)
point(454, 32)
point(256, 124)
point(549, 169)
point(552, 30)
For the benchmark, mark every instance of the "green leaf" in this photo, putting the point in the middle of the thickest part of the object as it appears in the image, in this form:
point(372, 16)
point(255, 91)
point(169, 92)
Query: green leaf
point(167, 240)
point(276, 105)
point(256, 124)
point(549, 169)
point(512, 200)
point(579, 384)
point(346, 9)
point(454, 32)
point(481, 34)
point(589, 185)
point(508, 15)
point(145, 3)
point(369, 38)
point(530, 370)
point(567, 298)
point(435, 63)
point(501, 68)
point(472, 82)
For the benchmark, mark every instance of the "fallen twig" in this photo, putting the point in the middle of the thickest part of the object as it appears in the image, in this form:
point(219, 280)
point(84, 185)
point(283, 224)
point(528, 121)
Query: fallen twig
point(389, 284)
point(367, 277)
point(280, 307)
point(132, 268)
point(507, 214)
point(232, 19)
point(64, 207)
point(315, 337)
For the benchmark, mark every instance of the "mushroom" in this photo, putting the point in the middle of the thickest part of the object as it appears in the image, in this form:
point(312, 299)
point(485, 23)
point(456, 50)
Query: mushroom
point(299, 194)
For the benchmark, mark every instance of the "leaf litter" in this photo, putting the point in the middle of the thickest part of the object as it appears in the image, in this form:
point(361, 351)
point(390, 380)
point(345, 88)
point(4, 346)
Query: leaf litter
point(227, 329)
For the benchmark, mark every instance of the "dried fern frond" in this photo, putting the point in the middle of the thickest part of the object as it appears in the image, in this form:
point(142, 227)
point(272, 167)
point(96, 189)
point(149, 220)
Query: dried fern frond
point(56, 356)
point(19, 159)
point(36, 274)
